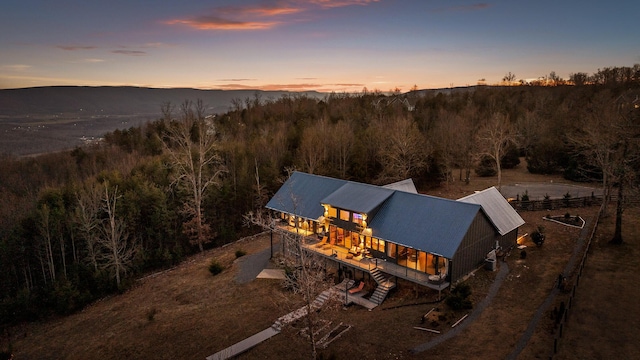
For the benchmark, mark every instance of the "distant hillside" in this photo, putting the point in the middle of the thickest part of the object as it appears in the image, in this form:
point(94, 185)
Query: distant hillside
point(118, 100)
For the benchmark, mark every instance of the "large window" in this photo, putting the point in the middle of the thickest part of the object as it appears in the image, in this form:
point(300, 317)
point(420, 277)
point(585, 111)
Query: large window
point(344, 215)
point(358, 218)
point(391, 250)
point(333, 212)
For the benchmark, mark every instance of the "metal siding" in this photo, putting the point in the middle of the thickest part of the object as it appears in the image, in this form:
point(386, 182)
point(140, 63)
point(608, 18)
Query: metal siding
point(478, 241)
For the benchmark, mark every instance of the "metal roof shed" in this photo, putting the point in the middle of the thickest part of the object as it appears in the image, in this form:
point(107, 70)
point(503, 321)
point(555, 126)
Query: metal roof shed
point(497, 208)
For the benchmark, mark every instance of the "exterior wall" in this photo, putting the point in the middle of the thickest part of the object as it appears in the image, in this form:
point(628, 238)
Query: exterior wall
point(509, 239)
point(479, 240)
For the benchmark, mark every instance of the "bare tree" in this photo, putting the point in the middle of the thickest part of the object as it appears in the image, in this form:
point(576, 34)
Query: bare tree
point(342, 139)
point(306, 271)
point(192, 146)
point(118, 251)
point(403, 150)
point(44, 226)
point(313, 150)
point(509, 78)
point(609, 140)
point(86, 219)
point(494, 137)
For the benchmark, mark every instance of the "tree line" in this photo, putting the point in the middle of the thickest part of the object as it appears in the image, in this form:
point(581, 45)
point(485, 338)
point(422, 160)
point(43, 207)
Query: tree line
point(80, 224)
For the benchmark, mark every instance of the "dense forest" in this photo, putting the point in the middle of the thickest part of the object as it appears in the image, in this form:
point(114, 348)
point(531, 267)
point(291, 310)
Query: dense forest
point(81, 224)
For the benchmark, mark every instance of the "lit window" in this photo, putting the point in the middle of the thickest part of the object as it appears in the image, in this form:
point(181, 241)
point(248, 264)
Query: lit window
point(357, 218)
point(344, 215)
point(333, 212)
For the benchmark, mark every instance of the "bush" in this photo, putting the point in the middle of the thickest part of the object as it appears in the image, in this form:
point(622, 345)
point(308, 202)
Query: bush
point(151, 314)
point(458, 299)
point(215, 268)
point(240, 253)
point(486, 167)
point(525, 196)
point(538, 236)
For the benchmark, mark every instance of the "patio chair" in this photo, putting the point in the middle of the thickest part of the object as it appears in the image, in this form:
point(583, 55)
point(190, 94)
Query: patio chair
point(357, 289)
point(322, 242)
point(328, 246)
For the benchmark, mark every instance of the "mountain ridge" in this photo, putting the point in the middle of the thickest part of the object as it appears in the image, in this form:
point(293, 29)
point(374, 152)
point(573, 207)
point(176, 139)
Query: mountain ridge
point(121, 100)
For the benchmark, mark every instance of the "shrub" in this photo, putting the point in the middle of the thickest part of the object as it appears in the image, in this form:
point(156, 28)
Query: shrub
point(538, 236)
point(151, 314)
point(525, 196)
point(215, 268)
point(240, 253)
point(486, 167)
point(459, 297)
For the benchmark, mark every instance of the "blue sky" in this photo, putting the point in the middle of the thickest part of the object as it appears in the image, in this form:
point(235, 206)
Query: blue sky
point(324, 45)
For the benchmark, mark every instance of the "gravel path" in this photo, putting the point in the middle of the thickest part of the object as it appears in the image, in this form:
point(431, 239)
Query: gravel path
point(493, 290)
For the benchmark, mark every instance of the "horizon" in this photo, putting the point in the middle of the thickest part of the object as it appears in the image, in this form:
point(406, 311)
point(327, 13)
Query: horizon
point(315, 45)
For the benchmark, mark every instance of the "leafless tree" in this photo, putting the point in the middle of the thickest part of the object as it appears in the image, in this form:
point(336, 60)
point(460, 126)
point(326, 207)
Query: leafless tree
point(87, 222)
point(609, 140)
point(118, 249)
point(403, 150)
point(313, 150)
point(305, 270)
point(44, 227)
point(342, 139)
point(494, 137)
point(192, 146)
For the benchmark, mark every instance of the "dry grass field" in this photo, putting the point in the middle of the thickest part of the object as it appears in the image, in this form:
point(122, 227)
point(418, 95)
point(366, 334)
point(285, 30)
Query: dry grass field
point(186, 313)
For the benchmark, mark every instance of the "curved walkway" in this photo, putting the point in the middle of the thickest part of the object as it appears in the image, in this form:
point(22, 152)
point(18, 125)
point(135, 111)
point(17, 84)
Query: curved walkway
point(493, 290)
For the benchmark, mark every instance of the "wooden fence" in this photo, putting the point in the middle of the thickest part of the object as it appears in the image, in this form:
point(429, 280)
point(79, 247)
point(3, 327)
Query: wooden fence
point(562, 312)
point(577, 202)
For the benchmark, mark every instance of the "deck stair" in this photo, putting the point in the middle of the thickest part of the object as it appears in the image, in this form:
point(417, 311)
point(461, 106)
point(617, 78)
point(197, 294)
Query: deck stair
point(384, 286)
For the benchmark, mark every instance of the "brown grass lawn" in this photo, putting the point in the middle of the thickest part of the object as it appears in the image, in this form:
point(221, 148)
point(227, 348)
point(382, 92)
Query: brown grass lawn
point(197, 314)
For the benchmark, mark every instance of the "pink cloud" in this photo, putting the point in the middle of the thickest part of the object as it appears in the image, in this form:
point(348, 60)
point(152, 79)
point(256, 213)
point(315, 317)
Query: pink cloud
point(341, 3)
point(258, 17)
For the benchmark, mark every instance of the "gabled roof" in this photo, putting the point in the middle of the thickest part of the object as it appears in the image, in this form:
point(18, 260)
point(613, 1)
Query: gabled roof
point(502, 215)
point(424, 222)
point(302, 195)
point(406, 185)
point(361, 198)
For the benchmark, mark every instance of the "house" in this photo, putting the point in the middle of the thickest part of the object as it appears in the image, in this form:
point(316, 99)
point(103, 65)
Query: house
point(394, 230)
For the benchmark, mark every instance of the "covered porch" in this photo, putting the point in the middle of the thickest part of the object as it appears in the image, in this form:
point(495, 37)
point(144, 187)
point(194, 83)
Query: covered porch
point(367, 263)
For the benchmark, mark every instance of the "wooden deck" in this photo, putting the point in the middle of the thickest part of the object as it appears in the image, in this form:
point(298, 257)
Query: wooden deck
point(341, 255)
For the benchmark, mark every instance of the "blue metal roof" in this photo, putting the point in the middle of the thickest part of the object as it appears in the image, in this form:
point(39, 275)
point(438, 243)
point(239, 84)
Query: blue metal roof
point(418, 221)
point(302, 195)
point(424, 222)
point(361, 198)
